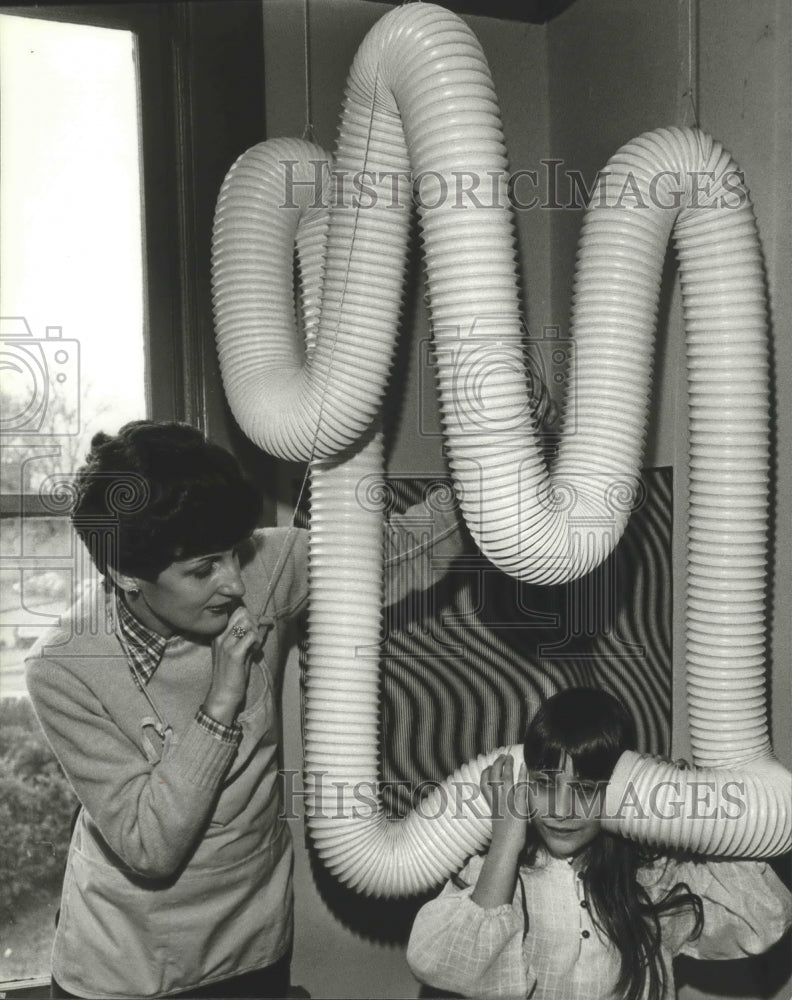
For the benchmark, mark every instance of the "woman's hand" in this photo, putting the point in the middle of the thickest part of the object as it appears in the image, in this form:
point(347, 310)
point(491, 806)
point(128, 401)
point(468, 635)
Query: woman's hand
point(231, 666)
point(508, 801)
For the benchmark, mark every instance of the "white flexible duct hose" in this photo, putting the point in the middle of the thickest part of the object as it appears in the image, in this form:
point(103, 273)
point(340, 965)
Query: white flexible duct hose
point(425, 60)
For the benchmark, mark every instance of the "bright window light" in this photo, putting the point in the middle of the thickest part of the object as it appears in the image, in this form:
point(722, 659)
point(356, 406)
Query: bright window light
point(72, 362)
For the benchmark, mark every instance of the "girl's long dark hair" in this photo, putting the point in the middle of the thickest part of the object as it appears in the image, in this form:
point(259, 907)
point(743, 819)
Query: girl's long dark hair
point(593, 728)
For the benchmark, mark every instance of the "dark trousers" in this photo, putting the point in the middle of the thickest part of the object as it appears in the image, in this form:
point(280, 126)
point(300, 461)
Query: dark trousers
point(272, 981)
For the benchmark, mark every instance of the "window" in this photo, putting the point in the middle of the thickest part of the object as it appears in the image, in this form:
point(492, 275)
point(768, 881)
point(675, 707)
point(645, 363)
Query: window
point(117, 125)
point(71, 283)
point(72, 357)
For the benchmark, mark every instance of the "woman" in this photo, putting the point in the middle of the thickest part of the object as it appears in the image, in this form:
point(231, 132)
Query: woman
point(156, 694)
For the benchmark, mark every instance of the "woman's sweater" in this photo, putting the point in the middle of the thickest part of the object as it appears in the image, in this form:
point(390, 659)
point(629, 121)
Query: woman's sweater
point(171, 827)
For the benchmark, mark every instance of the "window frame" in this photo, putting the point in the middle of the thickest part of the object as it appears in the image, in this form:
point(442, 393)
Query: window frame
point(201, 92)
point(202, 104)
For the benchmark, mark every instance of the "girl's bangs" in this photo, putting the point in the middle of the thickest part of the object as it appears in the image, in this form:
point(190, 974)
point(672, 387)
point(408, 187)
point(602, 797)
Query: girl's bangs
point(588, 724)
point(593, 758)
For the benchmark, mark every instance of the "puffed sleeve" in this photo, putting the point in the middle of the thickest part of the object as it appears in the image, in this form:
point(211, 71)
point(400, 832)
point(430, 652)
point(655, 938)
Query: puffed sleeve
point(421, 544)
point(746, 907)
point(458, 946)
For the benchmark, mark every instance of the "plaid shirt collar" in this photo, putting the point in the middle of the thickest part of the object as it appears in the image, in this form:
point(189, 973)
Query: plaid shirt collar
point(144, 648)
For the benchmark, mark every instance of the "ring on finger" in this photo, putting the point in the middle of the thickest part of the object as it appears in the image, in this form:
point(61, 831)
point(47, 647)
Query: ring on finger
point(238, 631)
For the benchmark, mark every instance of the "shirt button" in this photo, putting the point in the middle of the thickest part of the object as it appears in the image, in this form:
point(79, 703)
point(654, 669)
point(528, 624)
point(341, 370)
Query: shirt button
point(585, 934)
point(584, 903)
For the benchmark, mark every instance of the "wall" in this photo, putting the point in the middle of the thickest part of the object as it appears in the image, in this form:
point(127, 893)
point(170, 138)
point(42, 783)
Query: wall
point(516, 53)
point(735, 58)
point(617, 68)
point(614, 73)
point(333, 956)
point(744, 98)
point(573, 91)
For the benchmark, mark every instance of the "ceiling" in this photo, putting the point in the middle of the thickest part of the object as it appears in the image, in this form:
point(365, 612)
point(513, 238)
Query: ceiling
point(531, 11)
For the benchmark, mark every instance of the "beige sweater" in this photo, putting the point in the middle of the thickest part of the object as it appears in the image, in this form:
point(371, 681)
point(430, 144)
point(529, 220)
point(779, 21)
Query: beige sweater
point(153, 832)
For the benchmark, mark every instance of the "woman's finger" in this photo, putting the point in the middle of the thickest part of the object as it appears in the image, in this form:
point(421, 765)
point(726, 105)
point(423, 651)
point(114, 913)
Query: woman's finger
point(232, 648)
point(240, 632)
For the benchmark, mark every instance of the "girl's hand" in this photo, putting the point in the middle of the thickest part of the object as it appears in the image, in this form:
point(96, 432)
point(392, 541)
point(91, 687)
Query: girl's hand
point(508, 800)
point(231, 666)
point(679, 762)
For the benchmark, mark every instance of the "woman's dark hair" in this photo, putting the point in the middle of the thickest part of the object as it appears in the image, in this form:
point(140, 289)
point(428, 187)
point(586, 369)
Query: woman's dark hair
point(157, 492)
point(593, 728)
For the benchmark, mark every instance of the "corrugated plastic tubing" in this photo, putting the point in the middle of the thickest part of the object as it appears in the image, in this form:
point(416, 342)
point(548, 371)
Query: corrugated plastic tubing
point(420, 104)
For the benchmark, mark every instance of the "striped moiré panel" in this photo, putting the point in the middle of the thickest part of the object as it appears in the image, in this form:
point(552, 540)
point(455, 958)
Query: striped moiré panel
point(469, 653)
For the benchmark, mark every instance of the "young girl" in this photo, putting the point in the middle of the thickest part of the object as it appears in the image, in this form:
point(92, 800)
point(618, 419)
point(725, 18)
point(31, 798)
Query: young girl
point(559, 908)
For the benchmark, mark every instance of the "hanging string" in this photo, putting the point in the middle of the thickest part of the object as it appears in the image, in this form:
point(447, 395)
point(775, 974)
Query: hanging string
point(349, 256)
point(308, 134)
point(341, 303)
point(420, 545)
point(692, 61)
point(308, 130)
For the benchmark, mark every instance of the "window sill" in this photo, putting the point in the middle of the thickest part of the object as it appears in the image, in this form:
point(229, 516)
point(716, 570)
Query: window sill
point(25, 988)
